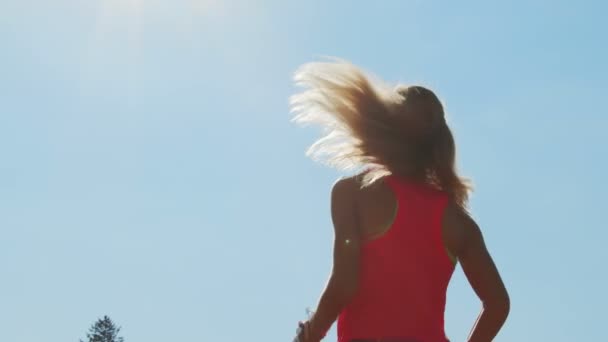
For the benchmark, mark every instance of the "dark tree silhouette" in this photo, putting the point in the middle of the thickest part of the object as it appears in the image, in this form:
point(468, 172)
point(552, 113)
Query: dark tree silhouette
point(104, 330)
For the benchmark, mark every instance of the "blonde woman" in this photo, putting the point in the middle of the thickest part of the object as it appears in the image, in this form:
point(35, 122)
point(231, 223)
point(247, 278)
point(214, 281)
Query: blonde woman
point(401, 225)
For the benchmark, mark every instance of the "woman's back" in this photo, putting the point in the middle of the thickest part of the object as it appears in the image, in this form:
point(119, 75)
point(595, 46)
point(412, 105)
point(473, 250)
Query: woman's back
point(392, 237)
point(404, 267)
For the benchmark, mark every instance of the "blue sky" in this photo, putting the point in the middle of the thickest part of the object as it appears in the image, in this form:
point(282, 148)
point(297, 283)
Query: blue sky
point(149, 170)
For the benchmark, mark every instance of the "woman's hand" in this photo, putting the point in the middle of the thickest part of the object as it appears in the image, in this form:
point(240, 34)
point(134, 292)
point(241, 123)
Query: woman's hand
point(306, 332)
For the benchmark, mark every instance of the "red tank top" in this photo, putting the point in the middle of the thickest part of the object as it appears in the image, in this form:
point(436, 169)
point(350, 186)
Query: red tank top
point(404, 274)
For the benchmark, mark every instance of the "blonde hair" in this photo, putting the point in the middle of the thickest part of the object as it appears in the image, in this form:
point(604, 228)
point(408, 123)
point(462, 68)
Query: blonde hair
point(368, 124)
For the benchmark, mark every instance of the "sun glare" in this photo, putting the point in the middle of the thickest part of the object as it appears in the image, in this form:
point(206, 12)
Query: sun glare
point(129, 5)
point(121, 15)
point(206, 6)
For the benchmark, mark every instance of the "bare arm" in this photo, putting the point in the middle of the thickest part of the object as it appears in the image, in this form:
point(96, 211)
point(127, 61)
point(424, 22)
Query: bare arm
point(343, 281)
point(482, 274)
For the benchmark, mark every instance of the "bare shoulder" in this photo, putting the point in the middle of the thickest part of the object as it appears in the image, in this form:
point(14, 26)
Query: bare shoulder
point(459, 229)
point(350, 189)
point(346, 188)
point(351, 182)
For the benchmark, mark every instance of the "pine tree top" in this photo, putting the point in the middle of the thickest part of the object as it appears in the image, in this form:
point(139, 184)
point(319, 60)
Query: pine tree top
point(104, 330)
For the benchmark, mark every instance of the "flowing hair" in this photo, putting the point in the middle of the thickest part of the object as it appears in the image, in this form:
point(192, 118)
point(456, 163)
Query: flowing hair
point(367, 124)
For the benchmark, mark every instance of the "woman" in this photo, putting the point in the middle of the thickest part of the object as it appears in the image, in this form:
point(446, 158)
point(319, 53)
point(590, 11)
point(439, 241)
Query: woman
point(400, 225)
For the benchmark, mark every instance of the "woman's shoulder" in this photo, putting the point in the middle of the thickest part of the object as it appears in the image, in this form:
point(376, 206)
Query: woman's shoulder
point(458, 228)
point(358, 183)
point(347, 185)
point(350, 188)
point(354, 189)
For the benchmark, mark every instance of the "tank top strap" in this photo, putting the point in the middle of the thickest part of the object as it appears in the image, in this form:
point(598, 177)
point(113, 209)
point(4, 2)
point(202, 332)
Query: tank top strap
point(398, 185)
point(394, 183)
